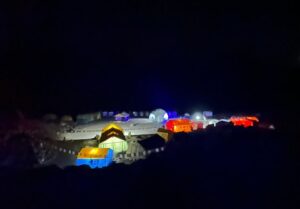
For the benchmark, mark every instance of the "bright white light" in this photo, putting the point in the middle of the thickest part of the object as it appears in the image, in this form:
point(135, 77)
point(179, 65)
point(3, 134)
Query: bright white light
point(166, 117)
point(197, 116)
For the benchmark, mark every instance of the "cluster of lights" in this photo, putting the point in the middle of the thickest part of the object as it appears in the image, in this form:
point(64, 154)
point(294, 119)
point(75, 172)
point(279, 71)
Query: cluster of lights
point(244, 121)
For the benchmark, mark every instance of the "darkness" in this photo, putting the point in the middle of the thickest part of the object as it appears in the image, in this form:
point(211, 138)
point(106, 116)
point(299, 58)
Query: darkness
point(229, 167)
point(73, 56)
point(70, 57)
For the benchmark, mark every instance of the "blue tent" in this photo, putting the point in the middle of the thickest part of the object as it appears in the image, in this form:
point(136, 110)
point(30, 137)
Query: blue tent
point(95, 157)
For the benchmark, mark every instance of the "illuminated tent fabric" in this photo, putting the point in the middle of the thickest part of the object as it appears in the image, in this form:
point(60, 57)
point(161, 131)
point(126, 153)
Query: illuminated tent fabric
point(165, 134)
point(244, 121)
point(172, 114)
point(179, 125)
point(113, 137)
point(158, 115)
point(95, 157)
point(112, 126)
point(116, 144)
point(197, 125)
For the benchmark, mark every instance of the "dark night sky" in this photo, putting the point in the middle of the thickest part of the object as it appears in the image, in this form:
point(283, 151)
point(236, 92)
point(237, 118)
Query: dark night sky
point(77, 56)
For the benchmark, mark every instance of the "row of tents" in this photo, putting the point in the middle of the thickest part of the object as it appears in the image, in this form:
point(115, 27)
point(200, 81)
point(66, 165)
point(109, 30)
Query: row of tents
point(113, 142)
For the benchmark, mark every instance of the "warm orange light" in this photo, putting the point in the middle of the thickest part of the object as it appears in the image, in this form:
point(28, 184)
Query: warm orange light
point(92, 152)
point(252, 118)
point(179, 125)
point(244, 121)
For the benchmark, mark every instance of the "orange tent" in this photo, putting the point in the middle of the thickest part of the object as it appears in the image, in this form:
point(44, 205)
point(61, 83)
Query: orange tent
point(179, 125)
point(93, 152)
point(244, 121)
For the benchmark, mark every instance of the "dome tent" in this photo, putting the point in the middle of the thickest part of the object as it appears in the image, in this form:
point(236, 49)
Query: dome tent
point(159, 115)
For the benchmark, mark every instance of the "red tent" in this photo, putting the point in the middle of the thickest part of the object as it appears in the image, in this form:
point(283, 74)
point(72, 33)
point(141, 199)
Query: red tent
point(244, 121)
point(179, 125)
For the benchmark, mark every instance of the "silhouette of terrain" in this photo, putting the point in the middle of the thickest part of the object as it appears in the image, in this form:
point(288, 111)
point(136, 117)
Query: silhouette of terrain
point(222, 167)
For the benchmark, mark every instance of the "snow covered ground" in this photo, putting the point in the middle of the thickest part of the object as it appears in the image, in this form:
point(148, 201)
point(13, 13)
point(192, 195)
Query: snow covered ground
point(135, 126)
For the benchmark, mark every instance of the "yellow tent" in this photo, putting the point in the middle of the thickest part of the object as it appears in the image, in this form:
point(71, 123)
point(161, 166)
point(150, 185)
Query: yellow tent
point(95, 157)
point(92, 152)
point(111, 126)
point(112, 137)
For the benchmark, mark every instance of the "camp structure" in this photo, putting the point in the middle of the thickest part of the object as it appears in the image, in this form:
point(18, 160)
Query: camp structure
point(124, 116)
point(112, 136)
point(87, 118)
point(165, 134)
point(244, 121)
point(95, 157)
point(135, 151)
point(66, 120)
point(158, 115)
point(179, 125)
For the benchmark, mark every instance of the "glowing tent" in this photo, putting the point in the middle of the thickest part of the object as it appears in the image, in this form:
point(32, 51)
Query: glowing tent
point(158, 115)
point(179, 125)
point(112, 137)
point(95, 157)
point(244, 121)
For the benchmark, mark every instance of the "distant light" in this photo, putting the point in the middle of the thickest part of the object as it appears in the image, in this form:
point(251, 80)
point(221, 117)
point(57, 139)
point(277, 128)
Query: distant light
point(208, 113)
point(187, 115)
point(152, 117)
point(272, 127)
point(197, 116)
point(166, 117)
